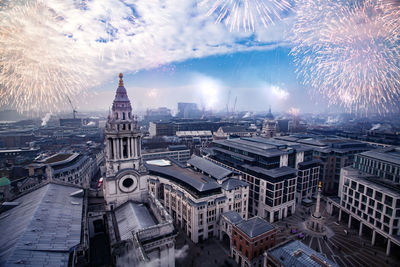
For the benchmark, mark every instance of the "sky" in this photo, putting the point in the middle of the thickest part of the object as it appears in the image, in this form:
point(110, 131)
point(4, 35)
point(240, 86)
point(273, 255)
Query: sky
point(203, 51)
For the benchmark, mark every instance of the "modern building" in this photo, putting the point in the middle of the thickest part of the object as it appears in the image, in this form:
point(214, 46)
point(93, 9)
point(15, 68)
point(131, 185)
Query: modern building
point(369, 201)
point(195, 137)
point(384, 163)
point(161, 128)
point(188, 110)
point(177, 152)
point(269, 166)
point(295, 253)
point(141, 229)
point(74, 168)
point(335, 153)
point(250, 238)
point(307, 179)
point(197, 194)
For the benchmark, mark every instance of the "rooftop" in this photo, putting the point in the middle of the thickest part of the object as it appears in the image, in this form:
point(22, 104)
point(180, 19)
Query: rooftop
point(233, 183)
point(185, 176)
point(58, 158)
point(43, 228)
point(296, 254)
point(132, 217)
point(388, 154)
point(273, 173)
point(216, 171)
point(254, 227)
point(233, 216)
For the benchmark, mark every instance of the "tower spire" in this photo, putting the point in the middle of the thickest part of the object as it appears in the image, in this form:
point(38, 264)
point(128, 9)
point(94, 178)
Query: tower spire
point(121, 82)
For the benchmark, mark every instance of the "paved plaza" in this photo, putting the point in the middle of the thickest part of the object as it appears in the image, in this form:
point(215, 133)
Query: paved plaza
point(210, 252)
point(343, 245)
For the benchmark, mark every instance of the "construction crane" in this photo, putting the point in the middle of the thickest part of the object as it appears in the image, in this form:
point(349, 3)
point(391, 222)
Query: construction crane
point(73, 109)
point(234, 107)
point(227, 104)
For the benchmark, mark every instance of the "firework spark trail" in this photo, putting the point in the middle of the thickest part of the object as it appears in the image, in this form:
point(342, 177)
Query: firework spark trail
point(244, 13)
point(349, 53)
point(38, 65)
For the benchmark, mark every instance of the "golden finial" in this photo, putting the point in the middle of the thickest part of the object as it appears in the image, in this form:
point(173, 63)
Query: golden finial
point(319, 184)
point(121, 82)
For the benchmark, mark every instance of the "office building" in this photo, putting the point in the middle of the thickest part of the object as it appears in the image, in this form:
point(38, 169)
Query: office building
point(269, 166)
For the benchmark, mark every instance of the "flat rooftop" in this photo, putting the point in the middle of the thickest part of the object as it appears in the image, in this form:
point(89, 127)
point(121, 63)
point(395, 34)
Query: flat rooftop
point(216, 171)
point(388, 154)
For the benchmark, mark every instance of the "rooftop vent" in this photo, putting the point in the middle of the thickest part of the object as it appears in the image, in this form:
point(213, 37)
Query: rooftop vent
point(297, 253)
point(78, 193)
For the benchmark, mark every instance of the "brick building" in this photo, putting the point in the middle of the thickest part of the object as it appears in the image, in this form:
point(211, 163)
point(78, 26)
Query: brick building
point(250, 238)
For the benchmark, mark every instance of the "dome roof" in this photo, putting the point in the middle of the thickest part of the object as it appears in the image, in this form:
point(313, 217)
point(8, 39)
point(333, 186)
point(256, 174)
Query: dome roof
point(4, 181)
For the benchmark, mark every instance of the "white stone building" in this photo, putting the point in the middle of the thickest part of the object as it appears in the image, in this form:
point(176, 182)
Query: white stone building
point(198, 194)
point(141, 230)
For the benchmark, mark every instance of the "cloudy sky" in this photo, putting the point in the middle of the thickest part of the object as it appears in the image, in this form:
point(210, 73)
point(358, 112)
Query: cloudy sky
point(169, 51)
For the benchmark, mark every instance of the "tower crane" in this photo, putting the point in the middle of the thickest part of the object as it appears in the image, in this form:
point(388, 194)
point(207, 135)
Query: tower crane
point(73, 109)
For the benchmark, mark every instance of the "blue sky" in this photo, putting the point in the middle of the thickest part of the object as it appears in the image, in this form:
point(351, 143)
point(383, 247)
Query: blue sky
point(249, 76)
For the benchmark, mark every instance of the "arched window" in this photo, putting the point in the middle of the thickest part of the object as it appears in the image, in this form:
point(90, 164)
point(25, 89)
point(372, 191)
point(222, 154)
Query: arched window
point(123, 115)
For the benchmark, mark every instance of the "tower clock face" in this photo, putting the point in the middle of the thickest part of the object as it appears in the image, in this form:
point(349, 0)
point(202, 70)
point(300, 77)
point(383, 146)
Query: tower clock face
point(128, 183)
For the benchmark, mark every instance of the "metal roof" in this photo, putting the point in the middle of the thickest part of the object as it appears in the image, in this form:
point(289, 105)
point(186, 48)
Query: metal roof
point(187, 176)
point(216, 171)
point(232, 183)
point(132, 217)
point(42, 229)
point(297, 254)
point(388, 154)
point(254, 226)
point(233, 217)
point(273, 173)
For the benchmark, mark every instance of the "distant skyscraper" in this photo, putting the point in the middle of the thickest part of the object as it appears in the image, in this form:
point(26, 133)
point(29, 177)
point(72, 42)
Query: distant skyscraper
point(188, 110)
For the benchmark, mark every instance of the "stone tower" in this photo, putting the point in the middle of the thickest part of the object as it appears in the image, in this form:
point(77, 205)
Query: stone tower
point(123, 180)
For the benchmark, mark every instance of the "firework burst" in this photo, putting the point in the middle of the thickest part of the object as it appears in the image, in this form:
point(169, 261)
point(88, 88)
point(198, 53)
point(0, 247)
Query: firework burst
point(39, 66)
point(349, 52)
point(237, 14)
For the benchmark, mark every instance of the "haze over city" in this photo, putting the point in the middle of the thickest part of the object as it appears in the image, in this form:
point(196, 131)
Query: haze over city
point(226, 133)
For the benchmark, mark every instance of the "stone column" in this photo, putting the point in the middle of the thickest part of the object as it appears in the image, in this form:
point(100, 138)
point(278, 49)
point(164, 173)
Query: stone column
point(114, 141)
point(134, 148)
point(128, 145)
point(388, 248)
point(340, 215)
point(361, 229)
point(271, 216)
point(373, 237)
point(121, 152)
point(108, 148)
point(349, 223)
point(317, 214)
point(285, 212)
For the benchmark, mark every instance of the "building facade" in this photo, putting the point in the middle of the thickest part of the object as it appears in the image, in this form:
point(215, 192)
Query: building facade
point(368, 200)
point(250, 238)
point(198, 194)
point(140, 229)
point(73, 168)
point(269, 166)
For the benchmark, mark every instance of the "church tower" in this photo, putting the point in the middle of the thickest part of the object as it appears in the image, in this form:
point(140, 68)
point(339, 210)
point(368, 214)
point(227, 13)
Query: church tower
point(123, 180)
point(269, 126)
